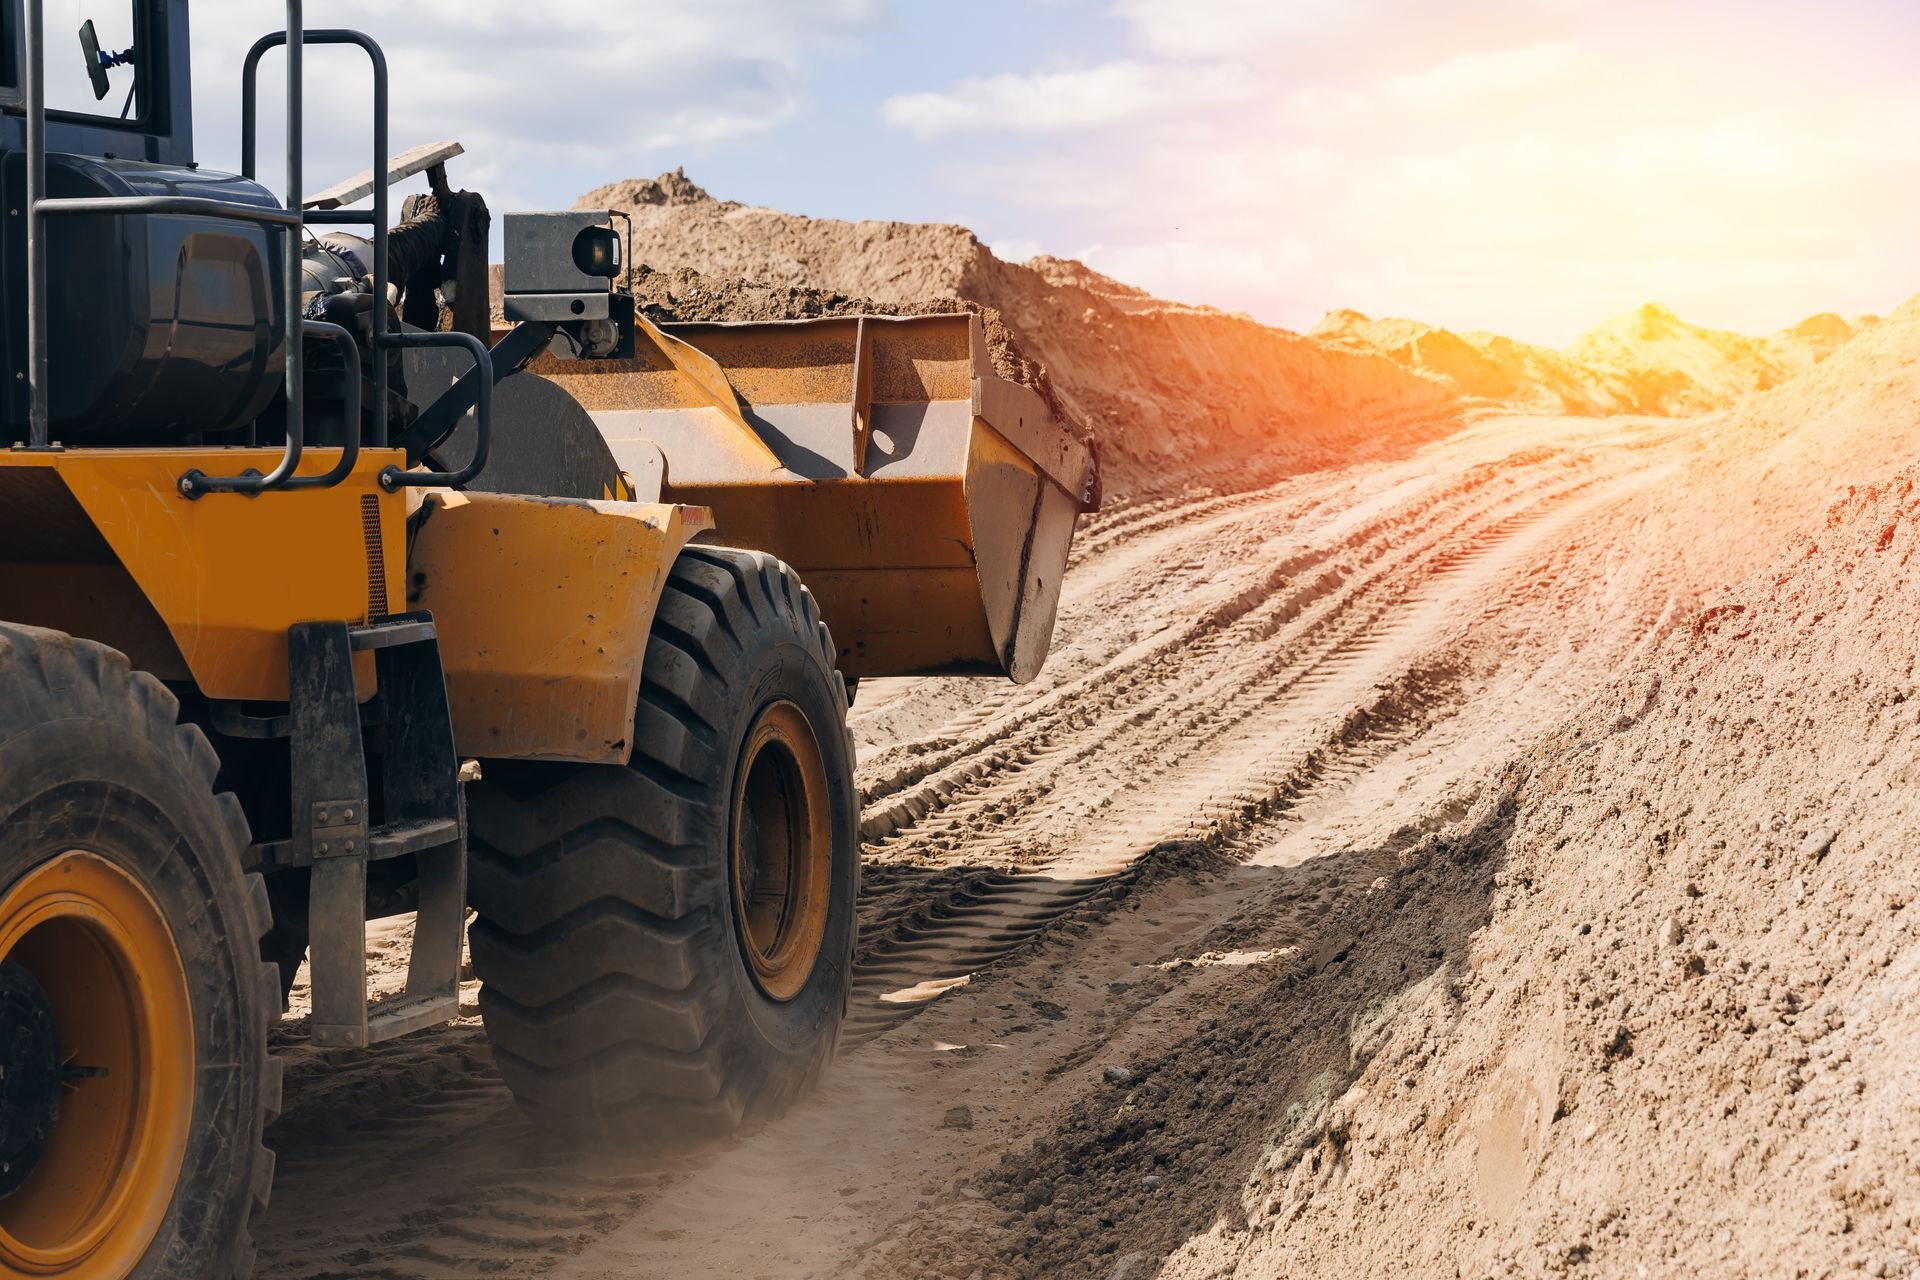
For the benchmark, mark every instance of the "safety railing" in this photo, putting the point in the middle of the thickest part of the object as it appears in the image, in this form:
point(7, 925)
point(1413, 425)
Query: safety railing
point(292, 220)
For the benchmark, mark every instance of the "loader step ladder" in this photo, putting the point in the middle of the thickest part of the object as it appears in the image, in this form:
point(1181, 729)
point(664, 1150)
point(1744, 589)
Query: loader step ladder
point(333, 832)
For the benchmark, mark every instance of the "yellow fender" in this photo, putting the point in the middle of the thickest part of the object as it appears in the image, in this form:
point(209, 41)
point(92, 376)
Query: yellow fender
point(543, 606)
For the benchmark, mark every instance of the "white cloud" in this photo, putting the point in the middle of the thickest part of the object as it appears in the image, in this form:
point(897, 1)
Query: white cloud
point(1487, 163)
point(1191, 269)
point(1482, 75)
point(1226, 28)
point(1357, 31)
point(1017, 249)
point(1049, 102)
point(1531, 190)
point(548, 99)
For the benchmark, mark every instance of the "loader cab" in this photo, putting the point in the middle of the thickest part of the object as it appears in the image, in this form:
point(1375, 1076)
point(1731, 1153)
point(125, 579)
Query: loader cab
point(165, 329)
point(156, 127)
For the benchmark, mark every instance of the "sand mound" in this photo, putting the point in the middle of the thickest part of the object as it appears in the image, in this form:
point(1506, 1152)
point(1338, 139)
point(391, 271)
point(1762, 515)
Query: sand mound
point(671, 188)
point(1478, 365)
point(1814, 339)
point(686, 294)
point(1685, 1035)
point(1640, 1001)
point(1169, 391)
point(1648, 361)
point(1177, 393)
point(1765, 471)
point(1651, 361)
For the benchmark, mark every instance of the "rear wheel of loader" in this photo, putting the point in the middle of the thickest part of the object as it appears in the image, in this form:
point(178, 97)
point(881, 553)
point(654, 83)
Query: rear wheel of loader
point(666, 947)
point(135, 1079)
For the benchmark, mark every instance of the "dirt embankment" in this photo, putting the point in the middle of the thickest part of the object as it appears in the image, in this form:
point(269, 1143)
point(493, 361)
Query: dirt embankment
point(1170, 392)
point(1643, 1001)
point(1651, 361)
point(1686, 1037)
point(1173, 390)
point(1648, 361)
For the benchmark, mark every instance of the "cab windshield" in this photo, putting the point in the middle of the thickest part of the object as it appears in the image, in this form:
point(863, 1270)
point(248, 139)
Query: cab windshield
point(76, 73)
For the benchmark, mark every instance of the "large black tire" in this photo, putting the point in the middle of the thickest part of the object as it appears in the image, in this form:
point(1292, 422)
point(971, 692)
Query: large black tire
point(100, 785)
point(621, 992)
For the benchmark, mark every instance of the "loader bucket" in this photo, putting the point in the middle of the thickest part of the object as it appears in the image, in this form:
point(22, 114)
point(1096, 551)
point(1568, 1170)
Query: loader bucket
point(928, 504)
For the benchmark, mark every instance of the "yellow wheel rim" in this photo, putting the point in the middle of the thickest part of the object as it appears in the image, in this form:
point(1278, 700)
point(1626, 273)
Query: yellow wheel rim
point(781, 850)
point(103, 954)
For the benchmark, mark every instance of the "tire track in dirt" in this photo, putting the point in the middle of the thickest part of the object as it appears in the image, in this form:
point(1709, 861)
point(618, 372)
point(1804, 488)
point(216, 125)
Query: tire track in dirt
point(1189, 681)
point(931, 945)
point(483, 1194)
point(1301, 591)
point(1223, 786)
point(479, 1191)
point(1316, 583)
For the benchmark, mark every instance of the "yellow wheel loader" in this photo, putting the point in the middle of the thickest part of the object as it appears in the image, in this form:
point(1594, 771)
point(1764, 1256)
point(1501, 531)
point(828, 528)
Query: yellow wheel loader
point(324, 599)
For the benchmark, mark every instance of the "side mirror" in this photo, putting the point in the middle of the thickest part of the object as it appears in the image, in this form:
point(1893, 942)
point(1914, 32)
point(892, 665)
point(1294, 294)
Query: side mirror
point(96, 70)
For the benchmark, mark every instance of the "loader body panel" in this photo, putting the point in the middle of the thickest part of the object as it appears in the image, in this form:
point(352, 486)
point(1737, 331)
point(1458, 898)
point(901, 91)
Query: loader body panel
point(101, 543)
point(543, 606)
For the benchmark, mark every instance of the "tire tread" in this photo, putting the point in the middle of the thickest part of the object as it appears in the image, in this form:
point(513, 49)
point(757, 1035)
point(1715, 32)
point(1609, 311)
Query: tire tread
point(62, 675)
point(595, 939)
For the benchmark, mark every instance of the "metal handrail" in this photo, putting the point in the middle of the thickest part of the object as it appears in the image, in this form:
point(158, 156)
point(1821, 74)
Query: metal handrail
point(349, 410)
point(392, 477)
point(38, 436)
point(39, 208)
point(197, 206)
point(290, 219)
point(249, 131)
point(196, 482)
point(193, 484)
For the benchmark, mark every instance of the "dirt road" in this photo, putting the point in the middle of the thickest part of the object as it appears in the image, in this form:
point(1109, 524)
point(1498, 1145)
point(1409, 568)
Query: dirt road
point(1257, 705)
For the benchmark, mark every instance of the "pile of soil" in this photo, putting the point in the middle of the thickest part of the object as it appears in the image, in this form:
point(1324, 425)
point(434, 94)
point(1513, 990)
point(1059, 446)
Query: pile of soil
point(672, 187)
point(1648, 361)
point(1646, 1006)
point(1685, 1036)
point(1484, 366)
point(1764, 472)
point(686, 295)
point(1173, 394)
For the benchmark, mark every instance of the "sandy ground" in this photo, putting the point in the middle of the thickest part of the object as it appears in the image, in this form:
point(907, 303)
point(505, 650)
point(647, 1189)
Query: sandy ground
point(1257, 703)
point(1489, 858)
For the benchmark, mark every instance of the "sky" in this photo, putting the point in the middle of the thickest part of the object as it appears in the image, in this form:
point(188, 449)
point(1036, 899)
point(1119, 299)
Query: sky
point(1526, 166)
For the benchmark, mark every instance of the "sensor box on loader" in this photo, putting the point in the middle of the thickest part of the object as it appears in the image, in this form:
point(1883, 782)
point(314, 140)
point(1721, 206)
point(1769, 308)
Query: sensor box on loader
point(324, 600)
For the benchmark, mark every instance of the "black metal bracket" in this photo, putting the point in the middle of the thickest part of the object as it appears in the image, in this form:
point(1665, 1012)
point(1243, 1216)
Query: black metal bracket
point(336, 836)
point(392, 478)
point(506, 358)
point(196, 483)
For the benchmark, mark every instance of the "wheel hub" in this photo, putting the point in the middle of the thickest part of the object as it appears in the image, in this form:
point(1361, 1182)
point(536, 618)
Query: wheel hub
point(88, 957)
point(29, 1076)
point(782, 850)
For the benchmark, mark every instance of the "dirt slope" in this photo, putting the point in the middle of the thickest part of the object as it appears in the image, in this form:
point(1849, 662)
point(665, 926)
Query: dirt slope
point(1814, 339)
point(1169, 391)
point(1414, 866)
point(1213, 386)
point(1489, 858)
point(1684, 1040)
point(1651, 361)
point(1479, 365)
point(1765, 471)
point(1635, 999)
point(1647, 361)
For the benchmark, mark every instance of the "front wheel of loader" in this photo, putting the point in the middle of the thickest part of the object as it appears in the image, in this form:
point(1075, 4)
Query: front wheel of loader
point(134, 1078)
point(665, 947)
